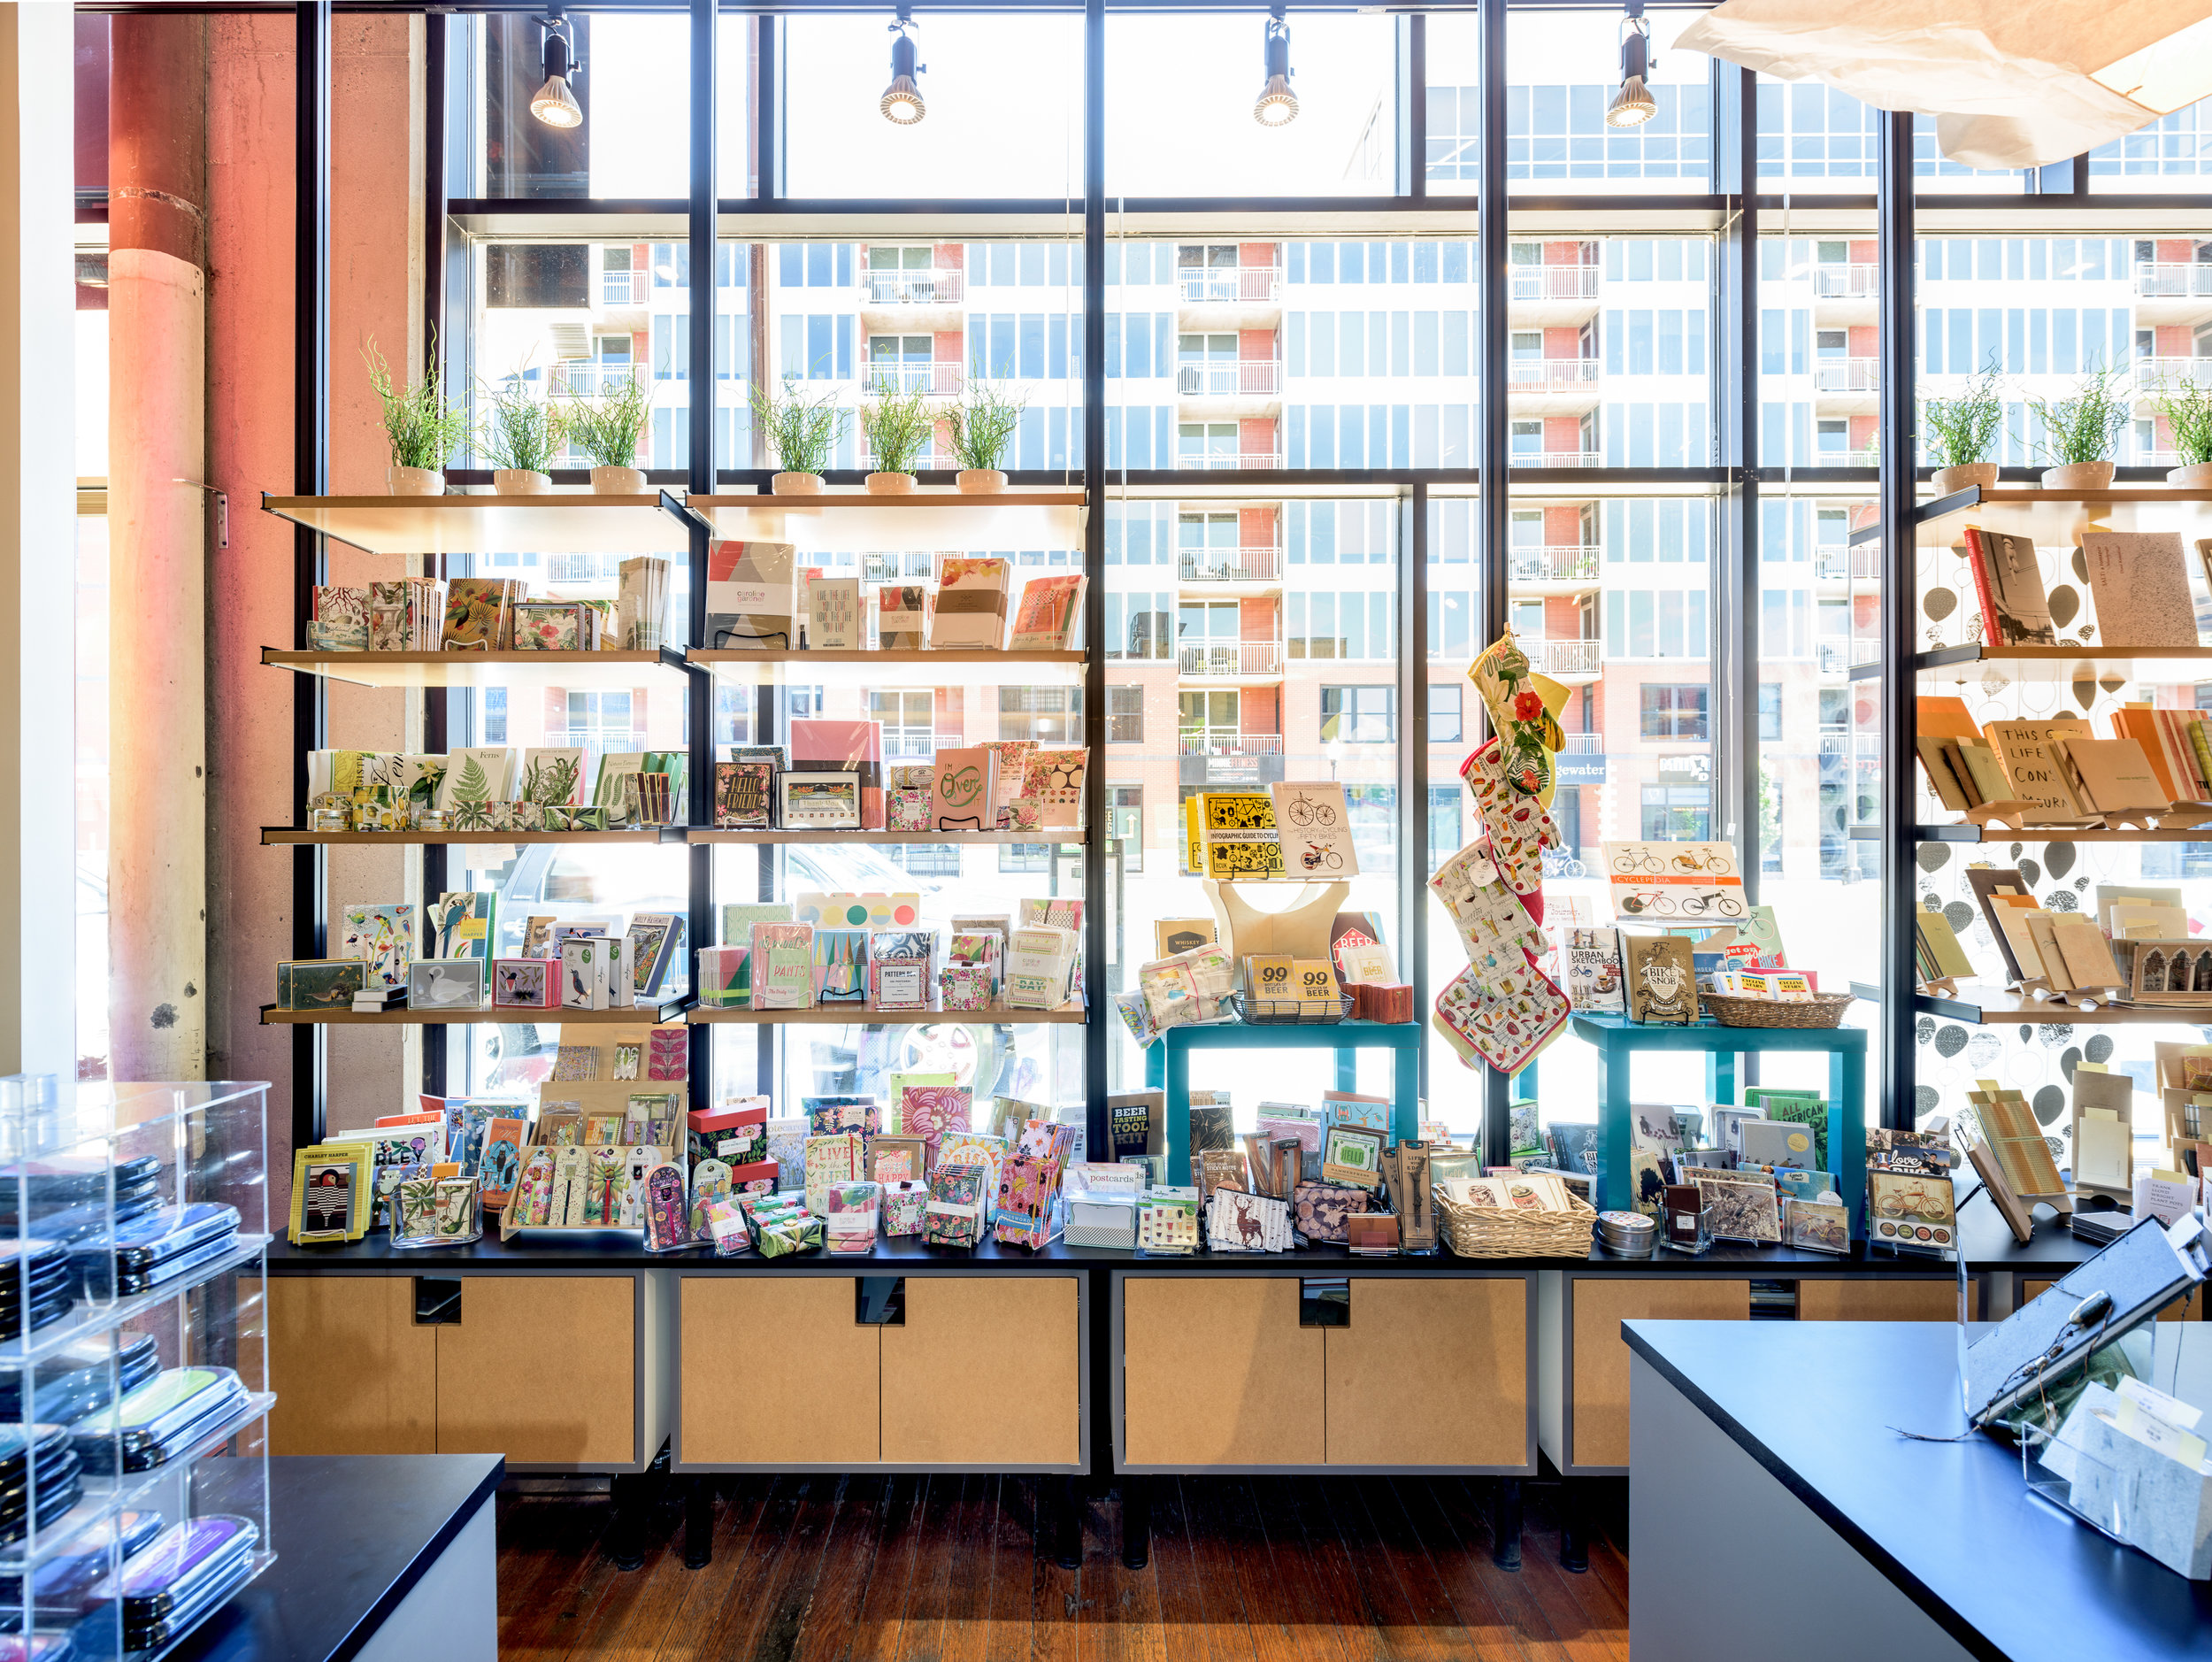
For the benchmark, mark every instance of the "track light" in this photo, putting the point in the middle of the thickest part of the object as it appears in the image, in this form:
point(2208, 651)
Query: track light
point(1633, 105)
point(554, 103)
point(902, 98)
point(1276, 105)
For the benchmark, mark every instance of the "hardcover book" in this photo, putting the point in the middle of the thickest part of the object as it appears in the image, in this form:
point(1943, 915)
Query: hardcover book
point(966, 789)
point(2140, 583)
point(1314, 829)
point(1662, 983)
point(970, 604)
point(2016, 611)
point(751, 595)
point(1045, 620)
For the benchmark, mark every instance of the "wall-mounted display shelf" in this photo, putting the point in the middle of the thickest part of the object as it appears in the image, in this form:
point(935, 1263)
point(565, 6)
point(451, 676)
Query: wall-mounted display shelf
point(582, 671)
point(643, 1015)
point(1058, 836)
point(777, 667)
point(861, 1016)
point(857, 523)
point(561, 523)
point(2117, 664)
point(2039, 834)
point(1985, 1003)
point(273, 835)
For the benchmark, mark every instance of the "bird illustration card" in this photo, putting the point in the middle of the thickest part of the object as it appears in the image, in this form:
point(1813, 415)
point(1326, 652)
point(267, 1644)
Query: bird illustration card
point(446, 983)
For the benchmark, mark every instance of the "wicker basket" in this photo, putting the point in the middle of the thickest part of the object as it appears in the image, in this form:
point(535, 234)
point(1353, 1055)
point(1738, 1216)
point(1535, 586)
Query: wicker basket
point(1825, 1010)
point(1501, 1232)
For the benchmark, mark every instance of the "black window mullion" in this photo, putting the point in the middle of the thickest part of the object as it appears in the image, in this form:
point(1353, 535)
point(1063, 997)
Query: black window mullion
point(1492, 509)
point(700, 394)
point(1899, 452)
point(1096, 1033)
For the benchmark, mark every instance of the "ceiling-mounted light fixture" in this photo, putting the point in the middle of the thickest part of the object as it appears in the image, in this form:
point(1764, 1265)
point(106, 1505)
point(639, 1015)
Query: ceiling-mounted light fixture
point(1633, 105)
point(902, 98)
point(554, 103)
point(1276, 105)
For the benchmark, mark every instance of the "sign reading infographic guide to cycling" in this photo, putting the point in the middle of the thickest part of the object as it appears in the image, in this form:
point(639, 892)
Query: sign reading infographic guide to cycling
point(1675, 882)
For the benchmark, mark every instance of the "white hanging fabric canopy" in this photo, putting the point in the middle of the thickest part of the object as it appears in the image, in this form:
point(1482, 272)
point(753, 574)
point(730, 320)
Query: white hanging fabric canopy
point(2012, 83)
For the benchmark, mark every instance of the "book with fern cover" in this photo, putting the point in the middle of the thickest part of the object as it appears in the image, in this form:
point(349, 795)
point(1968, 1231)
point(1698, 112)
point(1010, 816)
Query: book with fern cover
point(553, 777)
point(476, 776)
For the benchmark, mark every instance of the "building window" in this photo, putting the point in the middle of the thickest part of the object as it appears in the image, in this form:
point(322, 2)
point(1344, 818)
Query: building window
point(909, 721)
point(1444, 823)
point(1373, 810)
point(1051, 715)
point(494, 723)
point(1674, 712)
point(1124, 810)
point(733, 714)
point(1676, 814)
point(1769, 712)
point(1024, 856)
point(1124, 715)
point(1359, 715)
point(1444, 718)
point(926, 859)
point(599, 717)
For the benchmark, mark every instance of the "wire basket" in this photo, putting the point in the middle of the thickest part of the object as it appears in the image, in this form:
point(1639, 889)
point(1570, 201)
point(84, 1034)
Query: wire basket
point(1823, 1010)
point(1290, 1012)
point(1506, 1232)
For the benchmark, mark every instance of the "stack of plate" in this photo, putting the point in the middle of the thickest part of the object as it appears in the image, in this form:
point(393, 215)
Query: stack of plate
point(1627, 1235)
point(36, 1288)
point(157, 1246)
point(74, 1380)
point(69, 1198)
point(41, 1479)
point(191, 1569)
point(66, 1586)
point(173, 1409)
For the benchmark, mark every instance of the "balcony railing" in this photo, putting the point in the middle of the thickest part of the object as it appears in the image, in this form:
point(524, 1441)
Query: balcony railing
point(1216, 461)
point(1835, 744)
point(1555, 458)
point(1565, 657)
point(1232, 743)
point(939, 381)
point(1847, 374)
point(1835, 658)
point(1846, 282)
point(1584, 744)
point(2165, 375)
point(582, 379)
point(583, 568)
point(1231, 657)
point(1840, 560)
point(915, 287)
point(1559, 563)
point(1248, 284)
point(1232, 565)
point(621, 289)
point(1551, 375)
point(1260, 378)
point(2173, 279)
point(1554, 282)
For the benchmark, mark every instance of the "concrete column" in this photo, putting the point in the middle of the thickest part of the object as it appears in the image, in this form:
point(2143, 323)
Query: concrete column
point(38, 953)
point(157, 518)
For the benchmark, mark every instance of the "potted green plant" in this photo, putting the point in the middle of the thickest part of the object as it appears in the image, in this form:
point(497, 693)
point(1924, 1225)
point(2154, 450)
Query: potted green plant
point(421, 424)
point(2081, 433)
point(1962, 433)
point(802, 431)
point(524, 435)
point(609, 429)
point(2187, 408)
point(897, 424)
point(983, 424)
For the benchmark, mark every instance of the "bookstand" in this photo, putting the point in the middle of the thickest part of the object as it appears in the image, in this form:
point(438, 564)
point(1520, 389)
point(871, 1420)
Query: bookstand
point(2013, 816)
point(1946, 985)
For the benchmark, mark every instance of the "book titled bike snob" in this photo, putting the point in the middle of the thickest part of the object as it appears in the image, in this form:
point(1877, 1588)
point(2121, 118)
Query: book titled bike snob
point(1675, 882)
point(1662, 984)
point(1315, 828)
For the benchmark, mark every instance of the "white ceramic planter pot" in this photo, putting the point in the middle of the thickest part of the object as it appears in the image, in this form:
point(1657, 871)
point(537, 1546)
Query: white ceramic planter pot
point(2078, 476)
point(416, 481)
point(890, 484)
point(795, 485)
point(618, 481)
point(1950, 478)
point(982, 481)
point(521, 481)
point(2196, 475)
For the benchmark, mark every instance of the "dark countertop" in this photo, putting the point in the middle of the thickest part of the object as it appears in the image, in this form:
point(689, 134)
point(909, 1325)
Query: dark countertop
point(1951, 1524)
point(352, 1536)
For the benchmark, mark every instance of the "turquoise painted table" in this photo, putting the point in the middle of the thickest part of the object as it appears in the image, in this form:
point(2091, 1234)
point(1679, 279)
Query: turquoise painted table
point(1167, 1068)
point(1618, 1039)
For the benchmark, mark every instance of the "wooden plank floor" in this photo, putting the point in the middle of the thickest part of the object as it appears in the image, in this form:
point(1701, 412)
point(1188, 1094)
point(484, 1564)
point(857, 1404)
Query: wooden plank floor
point(945, 1569)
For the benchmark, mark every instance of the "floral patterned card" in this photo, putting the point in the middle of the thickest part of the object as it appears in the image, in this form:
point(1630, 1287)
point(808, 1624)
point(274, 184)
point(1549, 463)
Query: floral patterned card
point(954, 1216)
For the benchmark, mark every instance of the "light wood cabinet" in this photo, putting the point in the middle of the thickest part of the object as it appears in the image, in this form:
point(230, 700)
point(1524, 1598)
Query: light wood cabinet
point(352, 1373)
point(776, 1371)
point(1431, 1373)
point(542, 1369)
point(1598, 1386)
point(958, 1328)
point(1883, 1299)
point(1216, 1371)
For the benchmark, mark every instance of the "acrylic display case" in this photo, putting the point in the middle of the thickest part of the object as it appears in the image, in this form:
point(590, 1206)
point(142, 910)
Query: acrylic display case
point(134, 1385)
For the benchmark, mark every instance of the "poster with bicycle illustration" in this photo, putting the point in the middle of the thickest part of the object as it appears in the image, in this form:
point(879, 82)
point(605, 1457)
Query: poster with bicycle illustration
point(1675, 882)
point(1315, 830)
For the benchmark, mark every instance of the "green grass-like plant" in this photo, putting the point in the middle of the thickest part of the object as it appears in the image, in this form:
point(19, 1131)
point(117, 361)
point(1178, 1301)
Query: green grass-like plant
point(524, 431)
point(422, 426)
point(897, 426)
point(2085, 427)
point(1963, 430)
point(2187, 408)
point(609, 428)
point(802, 431)
point(983, 424)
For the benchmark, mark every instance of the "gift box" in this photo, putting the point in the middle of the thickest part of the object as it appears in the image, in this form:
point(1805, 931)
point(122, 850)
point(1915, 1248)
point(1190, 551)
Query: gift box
point(722, 979)
point(851, 1218)
point(905, 1204)
point(964, 987)
point(788, 1234)
point(525, 983)
point(737, 1135)
point(1381, 1001)
point(954, 1214)
point(726, 1229)
point(910, 807)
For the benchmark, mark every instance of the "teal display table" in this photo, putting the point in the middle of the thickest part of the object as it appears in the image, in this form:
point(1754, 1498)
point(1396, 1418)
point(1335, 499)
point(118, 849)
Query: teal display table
point(1617, 1040)
point(1167, 1068)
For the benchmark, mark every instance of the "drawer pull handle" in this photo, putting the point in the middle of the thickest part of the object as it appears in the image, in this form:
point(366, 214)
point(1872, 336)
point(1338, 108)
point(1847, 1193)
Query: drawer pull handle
point(1324, 1301)
point(437, 1301)
point(880, 1301)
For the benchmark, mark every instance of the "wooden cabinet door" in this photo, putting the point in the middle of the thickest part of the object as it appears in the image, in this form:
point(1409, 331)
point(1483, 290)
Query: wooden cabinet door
point(1216, 1371)
point(352, 1373)
point(1600, 1382)
point(1430, 1372)
point(776, 1371)
point(542, 1369)
point(1878, 1298)
point(985, 1372)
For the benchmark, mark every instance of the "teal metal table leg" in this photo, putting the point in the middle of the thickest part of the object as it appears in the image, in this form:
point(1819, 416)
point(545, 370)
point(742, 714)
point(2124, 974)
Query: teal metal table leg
point(1405, 1084)
point(1614, 1062)
point(1178, 1111)
point(1846, 1130)
point(1720, 1077)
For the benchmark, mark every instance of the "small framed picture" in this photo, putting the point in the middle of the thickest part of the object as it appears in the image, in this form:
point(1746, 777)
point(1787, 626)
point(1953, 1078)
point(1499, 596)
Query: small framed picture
point(1352, 1154)
point(1816, 1227)
point(525, 983)
point(818, 801)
